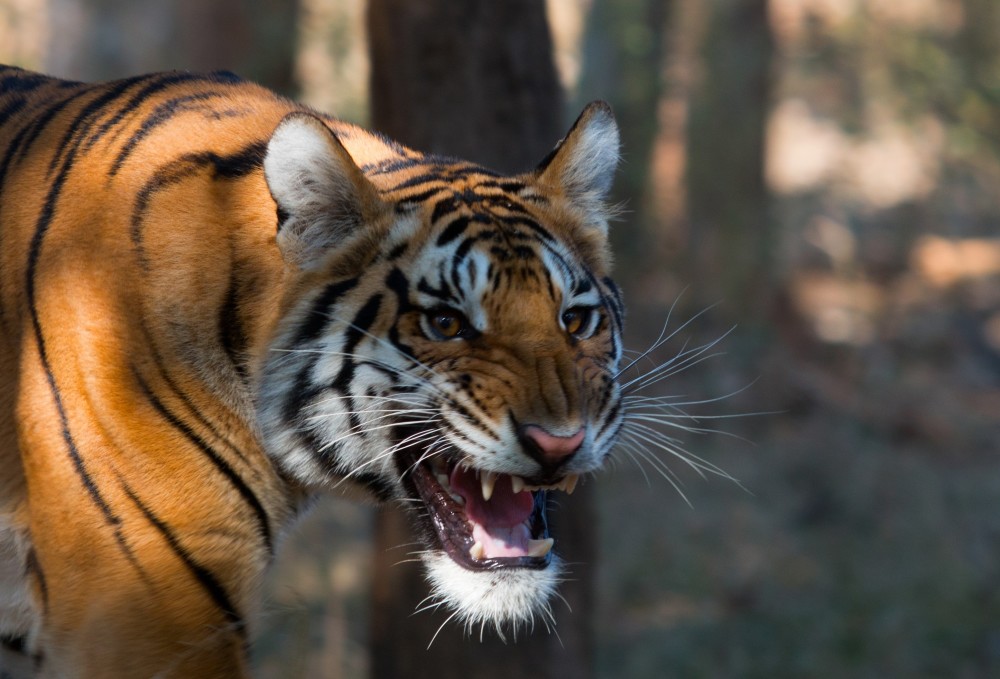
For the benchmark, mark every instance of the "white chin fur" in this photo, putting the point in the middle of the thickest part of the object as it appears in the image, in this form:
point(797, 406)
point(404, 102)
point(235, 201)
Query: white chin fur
point(507, 600)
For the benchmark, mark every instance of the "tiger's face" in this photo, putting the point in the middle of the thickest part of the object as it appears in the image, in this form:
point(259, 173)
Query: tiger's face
point(451, 342)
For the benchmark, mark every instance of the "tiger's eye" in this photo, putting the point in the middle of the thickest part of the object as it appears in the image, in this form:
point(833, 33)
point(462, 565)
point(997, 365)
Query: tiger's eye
point(574, 320)
point(447, 324)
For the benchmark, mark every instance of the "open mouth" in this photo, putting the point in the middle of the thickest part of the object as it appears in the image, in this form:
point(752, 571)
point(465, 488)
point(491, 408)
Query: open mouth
point(484, 520)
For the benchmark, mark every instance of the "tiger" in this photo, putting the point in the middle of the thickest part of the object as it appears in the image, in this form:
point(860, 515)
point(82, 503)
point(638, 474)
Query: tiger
point(217, 304)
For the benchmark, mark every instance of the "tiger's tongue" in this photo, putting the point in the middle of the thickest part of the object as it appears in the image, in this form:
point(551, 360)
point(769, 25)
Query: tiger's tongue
point(499, 523)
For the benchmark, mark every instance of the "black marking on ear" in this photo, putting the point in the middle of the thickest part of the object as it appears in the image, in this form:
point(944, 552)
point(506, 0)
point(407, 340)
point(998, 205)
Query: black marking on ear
point(15, 643)
point(208, 582)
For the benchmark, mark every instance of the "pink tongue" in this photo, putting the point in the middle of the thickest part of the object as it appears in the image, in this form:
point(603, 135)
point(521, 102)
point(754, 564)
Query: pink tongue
point(498, 523)
point(504, 509)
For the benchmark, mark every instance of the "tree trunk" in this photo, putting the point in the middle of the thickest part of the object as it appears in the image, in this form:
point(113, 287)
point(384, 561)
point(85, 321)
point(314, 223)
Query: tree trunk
point(475, 80)
point(103, 39)
point(472, 79)
point(729, 205)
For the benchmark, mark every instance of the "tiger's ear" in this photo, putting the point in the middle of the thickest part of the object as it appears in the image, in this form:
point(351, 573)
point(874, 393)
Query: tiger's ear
point(582, 166)
point(322, 195)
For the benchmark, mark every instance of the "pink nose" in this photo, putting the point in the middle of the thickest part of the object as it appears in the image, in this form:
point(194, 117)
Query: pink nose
point(553, 448)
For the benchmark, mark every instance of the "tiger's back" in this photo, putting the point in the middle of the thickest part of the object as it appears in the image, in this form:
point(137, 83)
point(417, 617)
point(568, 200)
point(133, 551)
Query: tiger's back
point(171, 268)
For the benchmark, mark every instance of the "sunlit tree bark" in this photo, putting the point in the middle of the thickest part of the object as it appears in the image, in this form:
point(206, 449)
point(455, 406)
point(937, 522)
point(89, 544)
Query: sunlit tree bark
point(476, 80)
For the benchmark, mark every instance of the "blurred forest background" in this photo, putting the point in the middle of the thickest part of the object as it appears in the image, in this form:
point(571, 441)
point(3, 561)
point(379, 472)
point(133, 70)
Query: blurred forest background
point(816, 182)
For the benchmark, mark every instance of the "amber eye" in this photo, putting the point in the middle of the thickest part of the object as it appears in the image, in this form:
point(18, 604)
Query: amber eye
point(448, 323)
point(576, 320)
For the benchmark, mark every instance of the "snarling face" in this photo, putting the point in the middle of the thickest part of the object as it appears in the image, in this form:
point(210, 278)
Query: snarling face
point(452, 342)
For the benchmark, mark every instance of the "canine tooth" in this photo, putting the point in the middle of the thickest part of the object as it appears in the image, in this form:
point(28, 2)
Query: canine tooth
point(488, 481)
point(459, 500)
point(478, 552)
point(538, 547)
point(570, 483)
point(442, 479)
point(517, 483)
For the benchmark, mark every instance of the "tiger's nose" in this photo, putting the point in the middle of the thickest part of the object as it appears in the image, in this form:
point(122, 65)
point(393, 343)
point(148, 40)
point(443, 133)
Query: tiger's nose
point(549, 450)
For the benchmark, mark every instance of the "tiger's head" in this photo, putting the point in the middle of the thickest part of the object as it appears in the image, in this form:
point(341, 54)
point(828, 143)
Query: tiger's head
point(449, 340)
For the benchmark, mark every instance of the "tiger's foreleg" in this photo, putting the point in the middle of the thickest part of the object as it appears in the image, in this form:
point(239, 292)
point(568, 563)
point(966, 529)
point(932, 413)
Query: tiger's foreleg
point(148, 532)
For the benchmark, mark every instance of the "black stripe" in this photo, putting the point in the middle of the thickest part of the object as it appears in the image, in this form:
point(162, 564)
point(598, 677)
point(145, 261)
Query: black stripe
point(220, 464)
point(239, 164)
point(12, 107)
point(531, 224)
point(388, 166)
point(398, 251)
point(96, 105)
point(79, 466)
point(397, 282)
point(407, 202)
point(302, 392)
point(51, 109)
point(358, 328)
point(23, 140)
point(163, 178)
point(609, 419)
point(443, 293)
point(231, 333)
point(22, 82)
point(163, 113)
point(453, 231)
point(32, 567)
point(462, 250)
point(159, 83)
point(443, 207)
point(433, 175)
point(233, 166)
point(213, 588)
point(186, 400)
